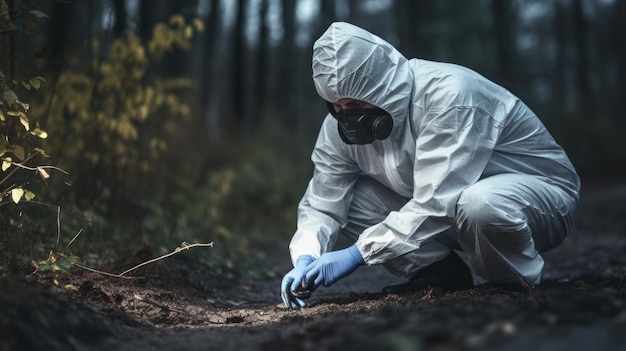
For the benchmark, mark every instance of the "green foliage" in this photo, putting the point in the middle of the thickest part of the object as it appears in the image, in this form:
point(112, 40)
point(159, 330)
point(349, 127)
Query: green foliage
point(21, 136)
point(113, 124)
point(57, 261)
point(113, 117)
point(19, 143)
point(176, 33)
point(19, 39)
point(244, 196)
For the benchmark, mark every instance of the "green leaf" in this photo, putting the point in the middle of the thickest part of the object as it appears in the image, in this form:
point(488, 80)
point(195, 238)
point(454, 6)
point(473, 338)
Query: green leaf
point(65, 264)
point(29, 195)
point(42, 151)
point(56, 267)
point(45, 267)
point(25, 85)
point(23, 118)
point(9, 97)
point(6, 163)
point(43, 173)
point(18, 151)
point(39, 133)
point(38, 14)
point(35, 83)
point(16, 194)
point(198, 24)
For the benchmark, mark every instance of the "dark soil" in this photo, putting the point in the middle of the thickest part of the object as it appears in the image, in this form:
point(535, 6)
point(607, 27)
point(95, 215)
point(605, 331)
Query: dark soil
point(581, 305)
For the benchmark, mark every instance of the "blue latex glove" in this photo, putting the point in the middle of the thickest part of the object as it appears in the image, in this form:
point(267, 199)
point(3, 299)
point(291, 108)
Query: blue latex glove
point(292, 282)
point(332, 266)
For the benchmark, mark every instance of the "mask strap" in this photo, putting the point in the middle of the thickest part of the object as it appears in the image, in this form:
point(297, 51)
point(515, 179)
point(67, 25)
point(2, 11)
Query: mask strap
point(331, 109)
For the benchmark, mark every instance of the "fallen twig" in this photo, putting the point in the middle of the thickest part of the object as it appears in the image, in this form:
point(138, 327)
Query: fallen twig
point(104, 273)
point(183, 247)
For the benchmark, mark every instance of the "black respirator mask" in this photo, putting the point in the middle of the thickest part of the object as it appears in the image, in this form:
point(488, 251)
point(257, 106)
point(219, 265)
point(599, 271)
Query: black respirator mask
point(362, 126)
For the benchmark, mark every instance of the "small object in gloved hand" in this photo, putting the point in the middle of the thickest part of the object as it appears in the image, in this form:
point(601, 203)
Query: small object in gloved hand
point(294, 280)
point(301, 292)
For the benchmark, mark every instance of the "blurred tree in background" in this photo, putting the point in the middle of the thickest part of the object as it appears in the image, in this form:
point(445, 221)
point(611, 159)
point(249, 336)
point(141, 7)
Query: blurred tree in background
point(194, 119)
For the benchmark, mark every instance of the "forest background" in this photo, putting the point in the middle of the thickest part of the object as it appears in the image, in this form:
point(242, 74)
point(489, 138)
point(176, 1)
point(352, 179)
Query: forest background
point(132, 126)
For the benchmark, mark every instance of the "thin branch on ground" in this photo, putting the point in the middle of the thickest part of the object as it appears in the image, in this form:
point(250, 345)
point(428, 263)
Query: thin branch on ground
point(103, 273)
point(183, 247)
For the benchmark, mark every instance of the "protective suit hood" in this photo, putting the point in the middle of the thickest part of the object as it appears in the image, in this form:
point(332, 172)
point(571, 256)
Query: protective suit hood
point(349, 62)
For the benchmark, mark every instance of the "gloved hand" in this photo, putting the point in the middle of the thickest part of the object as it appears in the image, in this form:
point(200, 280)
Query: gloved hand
point(293, 281)
point(332, 266)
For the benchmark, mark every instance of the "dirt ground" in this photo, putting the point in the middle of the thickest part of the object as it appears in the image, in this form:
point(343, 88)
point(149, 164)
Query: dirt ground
point(581, 304)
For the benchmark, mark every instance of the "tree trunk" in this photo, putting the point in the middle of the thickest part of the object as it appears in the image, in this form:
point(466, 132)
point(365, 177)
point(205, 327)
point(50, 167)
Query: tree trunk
point(619, 48)
point(238, 73)
point(585, 97)
point(502, 16)
point(560, 64)
point(261, 72)
point(119, 10)
point(286, 64)
point(212, 73)
point(411, 16)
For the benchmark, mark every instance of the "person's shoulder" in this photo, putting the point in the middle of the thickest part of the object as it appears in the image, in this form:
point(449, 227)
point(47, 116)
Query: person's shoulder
point(445, 82)
point(454, 75)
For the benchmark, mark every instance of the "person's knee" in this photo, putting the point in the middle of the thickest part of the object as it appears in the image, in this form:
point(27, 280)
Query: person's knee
point(491, 218)
point(475, 209)
point(487, 213)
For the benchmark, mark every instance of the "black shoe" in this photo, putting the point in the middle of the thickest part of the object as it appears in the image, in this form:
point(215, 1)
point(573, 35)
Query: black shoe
point(450, 273)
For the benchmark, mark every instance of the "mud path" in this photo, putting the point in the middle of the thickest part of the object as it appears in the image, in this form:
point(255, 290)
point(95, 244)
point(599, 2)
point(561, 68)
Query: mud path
point(581, 304)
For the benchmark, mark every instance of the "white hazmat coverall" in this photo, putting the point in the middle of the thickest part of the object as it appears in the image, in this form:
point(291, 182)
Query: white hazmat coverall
point(468, 167)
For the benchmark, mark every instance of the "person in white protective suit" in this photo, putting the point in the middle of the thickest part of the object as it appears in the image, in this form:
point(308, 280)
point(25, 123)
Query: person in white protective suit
point(430, 169)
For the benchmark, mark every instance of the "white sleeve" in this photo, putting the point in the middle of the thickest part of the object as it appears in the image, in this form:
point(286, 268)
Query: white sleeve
point(323, 210)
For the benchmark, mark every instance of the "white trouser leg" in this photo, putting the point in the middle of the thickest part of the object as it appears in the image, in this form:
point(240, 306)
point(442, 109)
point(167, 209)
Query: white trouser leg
point(505, 221)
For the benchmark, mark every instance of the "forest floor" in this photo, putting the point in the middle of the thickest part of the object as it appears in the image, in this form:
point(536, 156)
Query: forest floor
point(581, 304)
